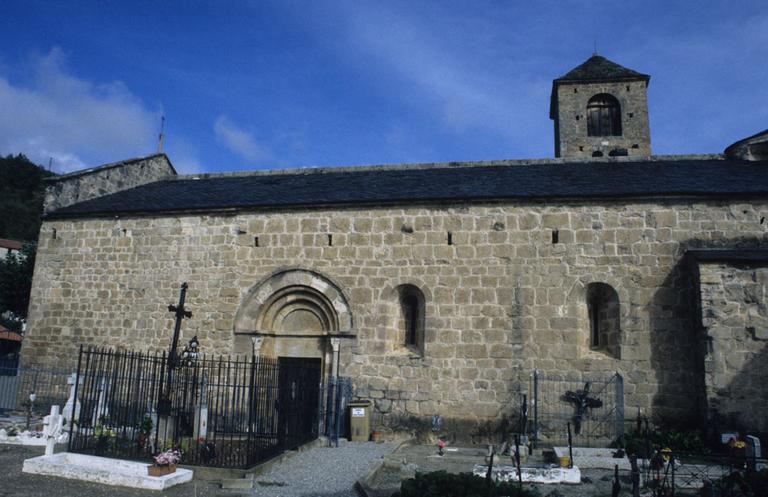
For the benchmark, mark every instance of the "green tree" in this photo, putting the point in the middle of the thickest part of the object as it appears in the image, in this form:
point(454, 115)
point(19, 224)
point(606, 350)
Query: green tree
point(21, 197)
point(15, 285)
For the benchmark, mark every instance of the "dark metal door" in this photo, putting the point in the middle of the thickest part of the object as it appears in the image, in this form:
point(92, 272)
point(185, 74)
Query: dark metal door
point(299, 390)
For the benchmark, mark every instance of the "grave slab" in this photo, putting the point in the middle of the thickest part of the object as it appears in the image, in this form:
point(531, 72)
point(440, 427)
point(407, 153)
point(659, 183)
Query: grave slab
point(531, 475)
point(35, 439)
point(599, 458)
point(103, 470)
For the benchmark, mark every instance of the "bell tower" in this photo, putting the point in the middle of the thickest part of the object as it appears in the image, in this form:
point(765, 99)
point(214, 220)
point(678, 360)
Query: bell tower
point(600, 109)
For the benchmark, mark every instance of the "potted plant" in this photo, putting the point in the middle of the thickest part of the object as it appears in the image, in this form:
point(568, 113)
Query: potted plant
point(165, 463)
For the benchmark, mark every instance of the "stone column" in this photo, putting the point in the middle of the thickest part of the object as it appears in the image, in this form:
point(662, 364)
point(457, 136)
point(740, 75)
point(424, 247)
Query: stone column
point(335, 345)
point(257, 342)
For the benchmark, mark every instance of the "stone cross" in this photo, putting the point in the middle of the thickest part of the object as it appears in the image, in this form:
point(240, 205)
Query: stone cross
point(71, 410)
point(53, 426)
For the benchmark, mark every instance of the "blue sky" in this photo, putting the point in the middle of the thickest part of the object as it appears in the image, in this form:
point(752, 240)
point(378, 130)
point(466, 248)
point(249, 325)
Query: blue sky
point(263, 84)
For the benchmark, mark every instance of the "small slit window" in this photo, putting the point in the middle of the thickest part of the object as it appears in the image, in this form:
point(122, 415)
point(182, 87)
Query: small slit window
point(603, 116)
point(604, 319)
point(411, 324)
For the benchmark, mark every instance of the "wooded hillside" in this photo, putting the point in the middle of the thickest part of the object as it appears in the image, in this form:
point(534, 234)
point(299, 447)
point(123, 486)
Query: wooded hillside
point(21, 197)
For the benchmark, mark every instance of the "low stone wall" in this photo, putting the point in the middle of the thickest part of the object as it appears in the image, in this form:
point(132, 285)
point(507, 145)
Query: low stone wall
point(734, 319)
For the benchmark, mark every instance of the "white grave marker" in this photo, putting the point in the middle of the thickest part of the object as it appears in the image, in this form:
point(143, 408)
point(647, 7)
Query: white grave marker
point(53, 424)
point(71, 410)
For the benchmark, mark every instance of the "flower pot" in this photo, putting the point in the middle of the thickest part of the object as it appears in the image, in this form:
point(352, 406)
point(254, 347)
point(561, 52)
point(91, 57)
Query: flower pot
point(155, 470)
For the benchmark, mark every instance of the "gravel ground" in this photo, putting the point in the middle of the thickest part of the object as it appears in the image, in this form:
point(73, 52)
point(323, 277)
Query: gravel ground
point(322, 471)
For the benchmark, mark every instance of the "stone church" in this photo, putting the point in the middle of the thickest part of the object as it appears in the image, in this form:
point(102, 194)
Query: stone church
point(440, 288)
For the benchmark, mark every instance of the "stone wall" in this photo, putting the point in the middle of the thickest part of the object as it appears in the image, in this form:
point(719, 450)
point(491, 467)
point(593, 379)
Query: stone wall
point(99, 181)
point(501, 300)
point(571, 138)
point(734, 320)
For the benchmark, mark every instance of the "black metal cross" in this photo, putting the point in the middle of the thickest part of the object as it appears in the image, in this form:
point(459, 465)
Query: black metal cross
point(581, 402)
point(181, 313)
point(164, 402)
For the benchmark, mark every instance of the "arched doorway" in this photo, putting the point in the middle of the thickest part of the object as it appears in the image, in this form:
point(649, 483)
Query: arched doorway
point(293, 313)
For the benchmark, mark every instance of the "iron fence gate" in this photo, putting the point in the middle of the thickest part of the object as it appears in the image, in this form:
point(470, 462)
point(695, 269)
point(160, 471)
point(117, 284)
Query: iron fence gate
point(221, 412)
point(593, 406)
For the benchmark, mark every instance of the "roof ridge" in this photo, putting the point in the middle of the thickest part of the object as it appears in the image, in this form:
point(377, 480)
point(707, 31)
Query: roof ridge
point(109, 165)
point(560, 161)
point(599, 68)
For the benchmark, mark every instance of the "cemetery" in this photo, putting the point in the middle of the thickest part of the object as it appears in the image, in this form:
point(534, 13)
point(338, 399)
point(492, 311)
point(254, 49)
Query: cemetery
point(106, 444)
point(149, 421)
point(146, 420)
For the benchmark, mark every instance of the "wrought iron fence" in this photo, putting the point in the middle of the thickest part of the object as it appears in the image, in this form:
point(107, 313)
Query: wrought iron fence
point(674, 474)
point(18, 382)
point(593, 406)
point(339, 393)
point(221, 412)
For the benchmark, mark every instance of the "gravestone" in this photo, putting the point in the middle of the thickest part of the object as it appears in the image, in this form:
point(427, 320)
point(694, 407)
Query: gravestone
point(53, 426)
point(71, 410)
point(753, 449)
point(201, 412)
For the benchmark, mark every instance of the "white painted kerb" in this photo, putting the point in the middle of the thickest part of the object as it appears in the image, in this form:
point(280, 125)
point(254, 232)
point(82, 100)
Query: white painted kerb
point(103, 470)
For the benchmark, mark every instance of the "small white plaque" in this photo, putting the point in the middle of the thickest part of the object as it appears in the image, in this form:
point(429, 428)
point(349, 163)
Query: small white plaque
point(358, 412)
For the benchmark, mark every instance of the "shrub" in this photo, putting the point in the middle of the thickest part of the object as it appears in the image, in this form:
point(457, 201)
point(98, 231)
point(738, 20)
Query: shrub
point(739, 484)
point(634, 442)
point(443, 484)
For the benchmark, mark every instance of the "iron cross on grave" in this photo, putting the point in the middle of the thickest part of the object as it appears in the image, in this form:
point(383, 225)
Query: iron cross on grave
point(181, 313)
point(581, 401)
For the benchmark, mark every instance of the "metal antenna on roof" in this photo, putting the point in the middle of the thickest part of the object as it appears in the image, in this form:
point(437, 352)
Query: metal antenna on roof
point(161, 137)
point(595, 52)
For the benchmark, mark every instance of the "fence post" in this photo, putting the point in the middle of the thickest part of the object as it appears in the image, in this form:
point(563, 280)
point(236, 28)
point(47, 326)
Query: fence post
point(251, 411)
point(74, 400)
point(619, 405)
point(536, 408)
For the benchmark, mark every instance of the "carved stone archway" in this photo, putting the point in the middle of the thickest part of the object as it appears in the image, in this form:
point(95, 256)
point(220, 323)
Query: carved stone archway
point(293, 313)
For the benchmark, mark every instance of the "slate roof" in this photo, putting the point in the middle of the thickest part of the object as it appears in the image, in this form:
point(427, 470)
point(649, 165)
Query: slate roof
point(371, 186)
point(11, 244)
point(598, 68)
point(594, 70)
point(729, 255)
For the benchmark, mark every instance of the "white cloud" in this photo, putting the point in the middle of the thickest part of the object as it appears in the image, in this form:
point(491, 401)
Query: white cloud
point(467, 84)
point(239, 141)
point(76, 122)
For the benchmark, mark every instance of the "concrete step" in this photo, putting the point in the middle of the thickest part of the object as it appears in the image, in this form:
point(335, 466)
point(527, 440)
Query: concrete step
point(238, 483)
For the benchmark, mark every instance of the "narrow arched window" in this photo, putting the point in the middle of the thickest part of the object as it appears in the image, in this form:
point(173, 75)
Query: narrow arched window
point(603, 116)
point(411, 316)
point(604, 318)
